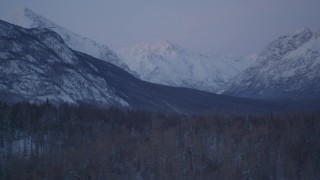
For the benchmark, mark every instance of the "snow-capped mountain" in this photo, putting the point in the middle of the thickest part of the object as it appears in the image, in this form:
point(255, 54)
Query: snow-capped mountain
point(288, 67)
point(169, 64)
point(26, 18)
point(36, 65)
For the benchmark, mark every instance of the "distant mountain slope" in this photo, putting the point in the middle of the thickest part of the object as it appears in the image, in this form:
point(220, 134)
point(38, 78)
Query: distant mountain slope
point(26, 18)
point(288, 67)
point(37, 64)
point(169, 64)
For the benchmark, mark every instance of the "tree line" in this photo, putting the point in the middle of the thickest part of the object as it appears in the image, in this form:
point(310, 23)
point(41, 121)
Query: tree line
point(45, 141)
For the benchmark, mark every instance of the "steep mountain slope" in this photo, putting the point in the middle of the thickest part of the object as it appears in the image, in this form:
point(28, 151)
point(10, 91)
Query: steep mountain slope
point(169, 64)
point(36, 65)
point(288, 67)
point(26, 18)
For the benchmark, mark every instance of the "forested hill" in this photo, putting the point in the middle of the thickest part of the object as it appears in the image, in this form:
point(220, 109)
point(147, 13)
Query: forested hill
point(83, 142)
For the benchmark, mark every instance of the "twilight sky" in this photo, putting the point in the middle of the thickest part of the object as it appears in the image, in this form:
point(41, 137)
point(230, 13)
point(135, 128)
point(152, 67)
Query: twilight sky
point(213, 26)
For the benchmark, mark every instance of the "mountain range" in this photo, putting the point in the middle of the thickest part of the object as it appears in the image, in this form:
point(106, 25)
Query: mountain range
point(161, 63)
point(43, 61)
point(37, 65)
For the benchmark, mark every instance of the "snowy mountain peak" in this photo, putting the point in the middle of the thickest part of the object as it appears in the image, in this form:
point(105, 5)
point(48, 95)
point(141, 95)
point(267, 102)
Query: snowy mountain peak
point(36, 65)
point(301, 31)
point(28, 19)
point(166, 45)
point(170, 64)
point(158, 48)
point(284, 44)
point(287, 67)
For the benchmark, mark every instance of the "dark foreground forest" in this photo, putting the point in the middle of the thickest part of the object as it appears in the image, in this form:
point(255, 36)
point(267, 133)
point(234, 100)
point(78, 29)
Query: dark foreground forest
point(83, 142)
